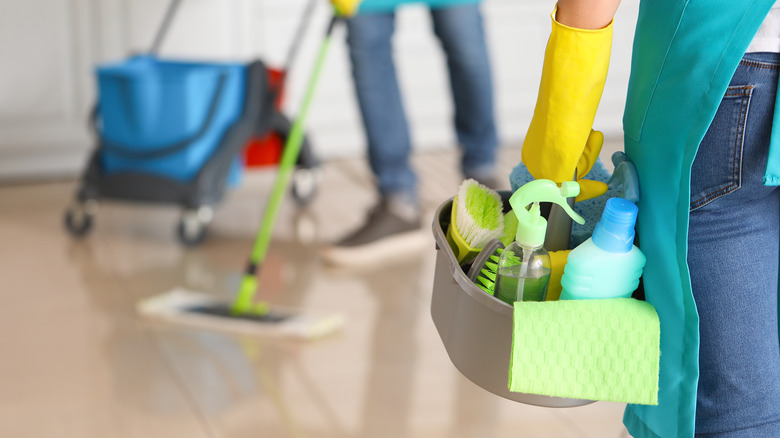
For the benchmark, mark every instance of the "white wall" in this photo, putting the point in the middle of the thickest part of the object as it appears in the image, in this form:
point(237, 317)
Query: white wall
point(49, 48)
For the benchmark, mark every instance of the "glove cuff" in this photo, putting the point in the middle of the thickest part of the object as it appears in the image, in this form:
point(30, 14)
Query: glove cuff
point(346, 8)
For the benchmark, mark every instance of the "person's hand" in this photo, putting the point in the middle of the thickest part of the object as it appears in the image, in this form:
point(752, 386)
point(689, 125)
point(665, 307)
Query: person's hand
point(560, 139)
point(346, 8)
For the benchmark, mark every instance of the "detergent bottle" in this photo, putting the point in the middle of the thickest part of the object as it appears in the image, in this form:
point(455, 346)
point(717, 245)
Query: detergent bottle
point(524, 265)
point(608, 264)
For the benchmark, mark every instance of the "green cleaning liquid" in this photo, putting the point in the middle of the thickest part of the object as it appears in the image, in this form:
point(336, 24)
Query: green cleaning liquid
point(523, 281)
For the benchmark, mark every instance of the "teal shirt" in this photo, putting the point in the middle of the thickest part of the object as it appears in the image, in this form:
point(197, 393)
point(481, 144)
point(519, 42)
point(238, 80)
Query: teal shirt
point(372, 6)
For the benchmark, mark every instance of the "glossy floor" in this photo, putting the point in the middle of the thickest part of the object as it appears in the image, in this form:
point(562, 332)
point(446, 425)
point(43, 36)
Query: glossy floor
point(78, 362)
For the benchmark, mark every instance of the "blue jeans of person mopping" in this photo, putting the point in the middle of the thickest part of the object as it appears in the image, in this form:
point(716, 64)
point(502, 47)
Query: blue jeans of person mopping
point(460, 31)
point(733, 260)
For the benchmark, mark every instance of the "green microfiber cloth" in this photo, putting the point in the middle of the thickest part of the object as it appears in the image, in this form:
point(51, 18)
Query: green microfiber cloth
point(604, 349)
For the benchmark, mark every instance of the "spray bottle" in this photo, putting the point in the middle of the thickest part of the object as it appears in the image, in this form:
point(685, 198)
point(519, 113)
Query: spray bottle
point(607, 265)
point(524, 266)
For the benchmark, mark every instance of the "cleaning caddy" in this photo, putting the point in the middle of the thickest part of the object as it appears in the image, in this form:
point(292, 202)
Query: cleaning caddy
point(544, 352)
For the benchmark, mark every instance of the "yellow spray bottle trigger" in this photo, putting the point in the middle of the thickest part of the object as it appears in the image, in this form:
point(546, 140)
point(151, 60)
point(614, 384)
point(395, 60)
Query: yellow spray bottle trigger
point(531, 226)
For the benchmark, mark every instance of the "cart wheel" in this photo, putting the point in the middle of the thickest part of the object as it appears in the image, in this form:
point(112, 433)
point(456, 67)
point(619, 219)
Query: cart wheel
point(193, 225)
point(79, 219)
point(304, 185)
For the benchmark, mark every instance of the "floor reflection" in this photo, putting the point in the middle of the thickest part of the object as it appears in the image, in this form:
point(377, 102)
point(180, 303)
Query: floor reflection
point(387, 400)
point(385, 374)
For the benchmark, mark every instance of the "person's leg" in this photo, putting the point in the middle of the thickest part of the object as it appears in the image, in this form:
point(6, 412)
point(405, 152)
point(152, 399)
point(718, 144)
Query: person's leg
point(378, 93)
point(460, 30)
point(393, 227)
point(733, 261)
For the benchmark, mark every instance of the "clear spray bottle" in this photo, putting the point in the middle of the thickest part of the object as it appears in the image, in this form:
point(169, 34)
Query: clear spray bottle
point(524, 266)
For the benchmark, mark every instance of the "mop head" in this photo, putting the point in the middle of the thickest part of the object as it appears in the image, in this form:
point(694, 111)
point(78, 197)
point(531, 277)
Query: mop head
point(197, 309)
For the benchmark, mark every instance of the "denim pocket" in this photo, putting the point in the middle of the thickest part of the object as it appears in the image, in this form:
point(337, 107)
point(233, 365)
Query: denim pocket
point(717, 168)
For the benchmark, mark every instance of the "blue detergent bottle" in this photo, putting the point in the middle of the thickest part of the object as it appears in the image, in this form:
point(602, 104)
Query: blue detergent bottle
point(524, 266)
point(608, 264)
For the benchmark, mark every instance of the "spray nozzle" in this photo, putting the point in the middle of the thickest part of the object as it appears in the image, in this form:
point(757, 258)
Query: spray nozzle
point(568, 189)
point(625, 174)
point(531, 226)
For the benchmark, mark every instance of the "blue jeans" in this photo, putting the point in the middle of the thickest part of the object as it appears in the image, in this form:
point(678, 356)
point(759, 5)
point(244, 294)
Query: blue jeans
point(733, 260)
point(460, 31)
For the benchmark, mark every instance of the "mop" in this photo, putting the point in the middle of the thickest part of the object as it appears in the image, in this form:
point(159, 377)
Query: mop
point(244, 315)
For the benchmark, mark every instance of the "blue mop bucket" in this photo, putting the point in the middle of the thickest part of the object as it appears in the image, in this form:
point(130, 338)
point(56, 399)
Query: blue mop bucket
point(167, 117)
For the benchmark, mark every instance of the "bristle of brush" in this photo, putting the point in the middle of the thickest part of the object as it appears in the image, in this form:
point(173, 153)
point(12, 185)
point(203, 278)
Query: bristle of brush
point(510, 228)
point(486, 281)
point(480, 216)
point(490, 271)
point(488, 289)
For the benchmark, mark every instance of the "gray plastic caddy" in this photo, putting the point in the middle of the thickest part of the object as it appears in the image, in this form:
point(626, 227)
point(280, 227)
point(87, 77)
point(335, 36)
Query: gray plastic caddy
point(476, 328)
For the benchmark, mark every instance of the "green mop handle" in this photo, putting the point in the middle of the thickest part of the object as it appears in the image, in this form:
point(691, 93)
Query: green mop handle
point(292, 147)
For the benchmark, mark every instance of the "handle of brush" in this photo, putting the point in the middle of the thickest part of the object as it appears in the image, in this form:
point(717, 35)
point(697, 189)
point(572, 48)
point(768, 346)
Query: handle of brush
point(292, 147)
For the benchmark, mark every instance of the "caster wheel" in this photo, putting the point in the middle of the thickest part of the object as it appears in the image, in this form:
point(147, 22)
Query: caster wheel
point(193, 225)
point(304, 185)
point(79, 219)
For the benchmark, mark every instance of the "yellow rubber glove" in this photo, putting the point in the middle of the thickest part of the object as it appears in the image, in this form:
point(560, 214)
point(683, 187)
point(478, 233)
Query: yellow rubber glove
point(557, 263)
point(560, 138)
point(346, 8)
point(589, 188)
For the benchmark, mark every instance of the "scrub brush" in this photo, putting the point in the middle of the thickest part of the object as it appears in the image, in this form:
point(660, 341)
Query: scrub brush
point(485, 267)
point(484, 270)
point(477, 218)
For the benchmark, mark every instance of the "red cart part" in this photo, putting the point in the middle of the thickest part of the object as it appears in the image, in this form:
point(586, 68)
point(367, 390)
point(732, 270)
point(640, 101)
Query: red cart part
point(266, 150)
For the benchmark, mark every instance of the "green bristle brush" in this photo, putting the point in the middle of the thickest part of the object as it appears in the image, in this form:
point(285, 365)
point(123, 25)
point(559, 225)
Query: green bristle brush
point(510, 228)
point(477, 217)
point(484, 270)
point(485, 267)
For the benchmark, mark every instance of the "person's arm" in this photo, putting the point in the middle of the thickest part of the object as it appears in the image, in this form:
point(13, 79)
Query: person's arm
point(586, 14)
point(560, 138)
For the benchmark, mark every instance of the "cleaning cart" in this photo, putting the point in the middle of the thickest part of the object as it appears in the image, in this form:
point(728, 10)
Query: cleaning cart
point(172, 132)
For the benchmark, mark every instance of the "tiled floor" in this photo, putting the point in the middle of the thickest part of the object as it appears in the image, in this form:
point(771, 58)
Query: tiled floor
point(78, 362)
